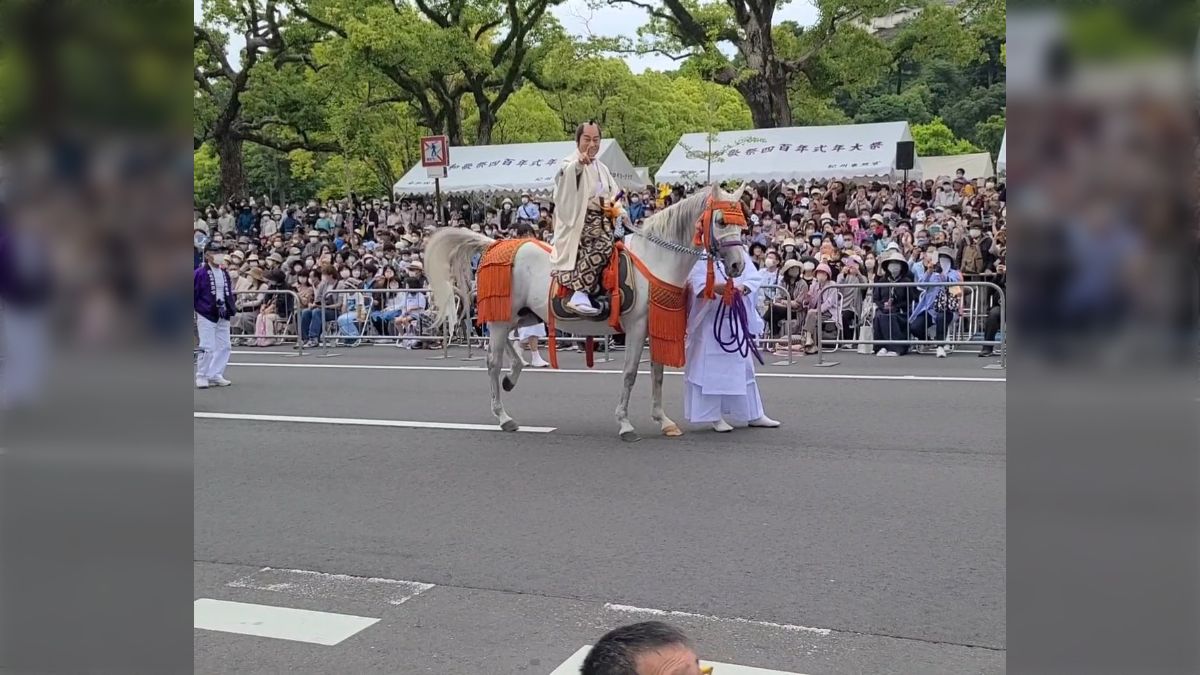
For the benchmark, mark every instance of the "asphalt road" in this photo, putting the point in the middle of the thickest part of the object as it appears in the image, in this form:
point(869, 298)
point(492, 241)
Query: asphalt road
point(865, 536)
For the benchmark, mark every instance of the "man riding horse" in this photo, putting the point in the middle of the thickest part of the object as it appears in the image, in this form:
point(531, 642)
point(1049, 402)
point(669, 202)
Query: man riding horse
point(585, 205)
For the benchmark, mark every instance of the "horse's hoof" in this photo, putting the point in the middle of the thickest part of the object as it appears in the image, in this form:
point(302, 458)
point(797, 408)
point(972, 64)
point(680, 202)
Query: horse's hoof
point(672, 431)
point(630, 436)
point(507, 384)
point(510, 425)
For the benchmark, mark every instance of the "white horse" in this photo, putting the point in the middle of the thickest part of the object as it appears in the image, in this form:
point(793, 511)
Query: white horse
point(664, 244)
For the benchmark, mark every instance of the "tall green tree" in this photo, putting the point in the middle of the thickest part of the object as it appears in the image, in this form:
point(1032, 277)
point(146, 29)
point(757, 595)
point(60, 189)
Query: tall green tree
point(434, 55)
point(273, 60)
point(761, 73)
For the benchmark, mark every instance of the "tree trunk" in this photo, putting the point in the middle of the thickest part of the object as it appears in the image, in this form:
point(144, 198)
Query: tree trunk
point(483, 130)
point(765, 90)
point(768, 103)
point(233, 174)
point(454, 127)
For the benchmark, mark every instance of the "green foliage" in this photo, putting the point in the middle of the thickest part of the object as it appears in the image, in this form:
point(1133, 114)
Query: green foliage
point(989, 134)
point(206, 176)
point(935, 138)
point(981, 102)
point(912, 106)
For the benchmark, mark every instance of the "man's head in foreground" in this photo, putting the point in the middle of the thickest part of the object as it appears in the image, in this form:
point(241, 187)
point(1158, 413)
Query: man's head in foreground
point(648, 648)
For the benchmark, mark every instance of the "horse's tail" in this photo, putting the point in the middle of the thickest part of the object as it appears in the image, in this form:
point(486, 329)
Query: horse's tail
point(448, 255)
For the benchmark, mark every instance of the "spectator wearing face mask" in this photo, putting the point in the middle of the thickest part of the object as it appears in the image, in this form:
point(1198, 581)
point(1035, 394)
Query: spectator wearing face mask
point(248, 301)
point(637, 208)
point(528, 211)
point(324, 223)
point(355, 307)
point(414, 319)
point(852, 298)
point(792, 280)
point(892, 304)
point(975, 255)
point(938, 305)
point(313, 319)
point(820, 306)
point(771, 276)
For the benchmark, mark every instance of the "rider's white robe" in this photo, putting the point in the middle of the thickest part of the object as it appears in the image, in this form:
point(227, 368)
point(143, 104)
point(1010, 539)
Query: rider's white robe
point(716, 383)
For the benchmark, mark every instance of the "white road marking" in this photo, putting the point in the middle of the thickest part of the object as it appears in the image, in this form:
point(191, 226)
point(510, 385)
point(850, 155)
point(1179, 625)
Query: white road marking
point(312, 584)
point(629, 609)
point(572, 666)
point(353, 421)
point(257, 353)
point(283, 623)
point(574, 371)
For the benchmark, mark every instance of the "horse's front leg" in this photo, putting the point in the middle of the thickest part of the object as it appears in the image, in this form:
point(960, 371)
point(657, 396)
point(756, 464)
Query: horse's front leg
point(497, 346)
point(668, 427)
point(635, 337)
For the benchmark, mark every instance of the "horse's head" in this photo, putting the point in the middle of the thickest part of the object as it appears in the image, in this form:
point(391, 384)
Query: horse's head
point(720, 229)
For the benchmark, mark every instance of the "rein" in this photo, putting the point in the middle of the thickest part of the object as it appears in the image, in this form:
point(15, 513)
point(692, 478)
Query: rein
point(732, 317)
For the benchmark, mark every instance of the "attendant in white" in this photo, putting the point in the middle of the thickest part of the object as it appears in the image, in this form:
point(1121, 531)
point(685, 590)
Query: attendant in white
point(214, 304)
point(527, 340)
point(720, 385)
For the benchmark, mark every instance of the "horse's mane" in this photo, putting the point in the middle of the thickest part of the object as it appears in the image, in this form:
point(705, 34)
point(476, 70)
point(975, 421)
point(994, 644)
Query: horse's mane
point(677, 222)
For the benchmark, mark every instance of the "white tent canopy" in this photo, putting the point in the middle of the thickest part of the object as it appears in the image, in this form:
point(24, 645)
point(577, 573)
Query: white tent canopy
point(643, 174)
point(512, 169)
point(843, 152)
point(976, 164)
point(1002, 158)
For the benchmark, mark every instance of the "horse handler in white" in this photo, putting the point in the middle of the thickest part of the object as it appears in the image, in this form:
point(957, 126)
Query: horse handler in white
point(718, 384)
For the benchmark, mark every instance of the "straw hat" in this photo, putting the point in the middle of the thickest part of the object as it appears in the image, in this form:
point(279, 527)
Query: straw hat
point(256, 273)
point(416, 265)
point(790, 265)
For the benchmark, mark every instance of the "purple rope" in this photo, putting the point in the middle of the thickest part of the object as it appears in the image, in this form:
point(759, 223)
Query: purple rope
point(738, 340)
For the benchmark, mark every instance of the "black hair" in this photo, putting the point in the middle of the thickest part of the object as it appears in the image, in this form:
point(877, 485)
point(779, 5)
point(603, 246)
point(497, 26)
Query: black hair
point(579, 130)
point(616, 653)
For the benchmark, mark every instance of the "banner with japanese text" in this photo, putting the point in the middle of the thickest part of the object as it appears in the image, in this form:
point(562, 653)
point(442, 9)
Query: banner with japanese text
point(846, 152)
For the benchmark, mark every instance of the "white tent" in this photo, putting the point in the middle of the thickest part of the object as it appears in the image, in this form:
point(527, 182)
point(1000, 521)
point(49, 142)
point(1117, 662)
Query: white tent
point(1002, 158)
point(977, 165)
point(643, 174)
point(512, 169)
point(844, 152)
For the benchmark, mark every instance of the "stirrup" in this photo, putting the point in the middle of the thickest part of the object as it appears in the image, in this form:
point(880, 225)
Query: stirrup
point(582, 311)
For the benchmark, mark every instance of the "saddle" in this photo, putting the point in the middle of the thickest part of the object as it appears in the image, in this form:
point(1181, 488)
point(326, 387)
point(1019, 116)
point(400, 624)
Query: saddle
point(618, 278)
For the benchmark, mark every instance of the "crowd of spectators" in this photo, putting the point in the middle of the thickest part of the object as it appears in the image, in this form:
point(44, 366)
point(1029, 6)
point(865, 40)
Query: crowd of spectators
point(802, 237)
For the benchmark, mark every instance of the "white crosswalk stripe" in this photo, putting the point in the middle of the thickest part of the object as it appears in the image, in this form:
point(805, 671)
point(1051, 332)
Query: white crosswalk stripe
point(283, 623)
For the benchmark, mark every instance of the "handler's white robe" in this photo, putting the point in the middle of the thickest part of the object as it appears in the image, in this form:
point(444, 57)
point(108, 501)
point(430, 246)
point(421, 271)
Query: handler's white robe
point(716, 383)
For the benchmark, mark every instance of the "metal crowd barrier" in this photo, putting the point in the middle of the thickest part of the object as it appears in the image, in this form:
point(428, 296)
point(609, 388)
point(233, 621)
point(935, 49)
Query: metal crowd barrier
point(295, 319)
point(999, 344)
point(327, 339)
point(787, 321)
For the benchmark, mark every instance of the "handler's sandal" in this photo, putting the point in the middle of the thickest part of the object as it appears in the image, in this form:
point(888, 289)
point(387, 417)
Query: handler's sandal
point(765, 422)
point(581, 304)
point(219, 381)
point(538, 361)
point(721, 426)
